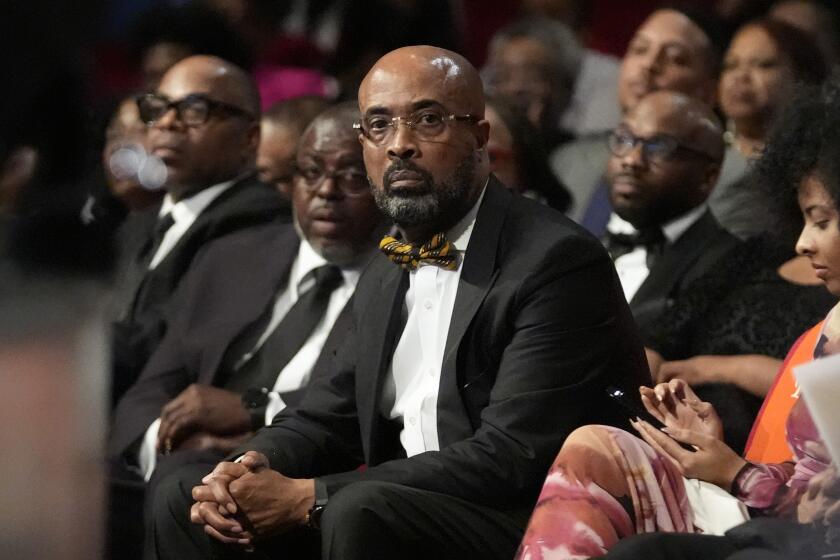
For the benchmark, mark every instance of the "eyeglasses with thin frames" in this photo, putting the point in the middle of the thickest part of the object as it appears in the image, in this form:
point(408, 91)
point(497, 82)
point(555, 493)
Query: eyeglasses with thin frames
point(192, 110)
point(351, 181)
point(427, 124)
point(657, 149)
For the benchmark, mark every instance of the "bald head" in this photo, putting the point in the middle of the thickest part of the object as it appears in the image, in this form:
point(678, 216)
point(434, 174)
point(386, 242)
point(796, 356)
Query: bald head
point(223, 143)
point(424, 138)
point(666, 158)
point(452, 75)
point(332, 126)
point(218, 78)
point(689, 120)
point(334, 209)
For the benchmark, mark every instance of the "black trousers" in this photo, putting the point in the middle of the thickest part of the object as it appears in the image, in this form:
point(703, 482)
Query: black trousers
point(757, 539)
point(365, 520)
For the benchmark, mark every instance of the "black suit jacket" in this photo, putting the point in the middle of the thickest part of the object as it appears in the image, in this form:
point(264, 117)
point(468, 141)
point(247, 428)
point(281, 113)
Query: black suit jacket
point(539, 329)
point(229, 288)
point(692, 255)
point(136, 334)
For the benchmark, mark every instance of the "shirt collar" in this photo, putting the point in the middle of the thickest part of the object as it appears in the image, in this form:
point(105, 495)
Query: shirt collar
point(672, 230)
point(189, 208)
point(459, 234)
point(308, 259)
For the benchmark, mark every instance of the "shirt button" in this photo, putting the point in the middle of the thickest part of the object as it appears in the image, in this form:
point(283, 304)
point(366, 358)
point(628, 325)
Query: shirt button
point(412, 420)
point(431, 372)
point(427, 304)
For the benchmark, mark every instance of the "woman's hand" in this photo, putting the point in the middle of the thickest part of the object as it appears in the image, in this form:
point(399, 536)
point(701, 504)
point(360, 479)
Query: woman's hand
point(821, 502)
point(677, 406)
point(712, 460)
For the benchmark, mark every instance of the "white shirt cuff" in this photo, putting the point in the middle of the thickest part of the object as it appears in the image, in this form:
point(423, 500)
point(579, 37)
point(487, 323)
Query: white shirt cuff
point(147, 455)
point(274, 406)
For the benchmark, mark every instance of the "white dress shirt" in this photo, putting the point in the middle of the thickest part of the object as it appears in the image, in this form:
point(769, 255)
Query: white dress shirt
point(184, 213)
point(297, 372)
point(410, 393)
point(632, 267)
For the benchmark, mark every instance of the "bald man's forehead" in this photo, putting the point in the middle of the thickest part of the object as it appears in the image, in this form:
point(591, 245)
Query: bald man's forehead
point(407, 78)
point(671, 26)
point(659, 116)
point(189, 77)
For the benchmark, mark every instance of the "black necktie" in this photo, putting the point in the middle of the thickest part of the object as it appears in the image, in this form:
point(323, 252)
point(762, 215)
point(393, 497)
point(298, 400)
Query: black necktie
point(289, 335)
point(161, 227)
point(651, 238)
point(139, 267)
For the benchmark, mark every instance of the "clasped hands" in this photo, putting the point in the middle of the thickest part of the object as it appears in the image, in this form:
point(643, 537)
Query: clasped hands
point(689, 420)
point(240, 502)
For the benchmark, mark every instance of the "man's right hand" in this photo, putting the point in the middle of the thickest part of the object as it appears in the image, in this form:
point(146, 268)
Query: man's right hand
point(677, 406)
point(201, 408)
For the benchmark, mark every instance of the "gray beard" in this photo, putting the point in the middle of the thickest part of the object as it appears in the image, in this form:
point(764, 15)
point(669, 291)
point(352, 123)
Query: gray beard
point(436, 204)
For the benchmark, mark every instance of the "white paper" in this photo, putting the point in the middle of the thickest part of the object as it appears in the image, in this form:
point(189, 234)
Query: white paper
point(819, 384)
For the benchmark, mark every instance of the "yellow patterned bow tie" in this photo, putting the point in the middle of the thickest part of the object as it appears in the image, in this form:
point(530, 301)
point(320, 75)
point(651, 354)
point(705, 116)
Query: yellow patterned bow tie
point(438, 251)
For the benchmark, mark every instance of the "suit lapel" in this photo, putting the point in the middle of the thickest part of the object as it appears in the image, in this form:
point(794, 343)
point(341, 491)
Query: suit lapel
point(677, 258)
point(380, 338)
point(477, 276)
point(255, 302)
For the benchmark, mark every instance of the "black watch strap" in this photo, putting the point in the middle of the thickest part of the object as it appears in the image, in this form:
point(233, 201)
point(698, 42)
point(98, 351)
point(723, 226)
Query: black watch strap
point(313, 516)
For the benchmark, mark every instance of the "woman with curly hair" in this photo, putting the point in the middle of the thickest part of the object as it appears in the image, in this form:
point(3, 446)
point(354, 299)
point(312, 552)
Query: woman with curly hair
point(606, 484)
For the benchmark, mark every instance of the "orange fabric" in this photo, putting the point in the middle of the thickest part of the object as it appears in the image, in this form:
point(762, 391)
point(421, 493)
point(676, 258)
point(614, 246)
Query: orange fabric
point(768, 439)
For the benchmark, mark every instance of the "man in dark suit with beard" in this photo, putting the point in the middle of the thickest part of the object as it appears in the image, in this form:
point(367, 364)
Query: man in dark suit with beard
point(487, 331)
point(203, 125)
point(666, 158)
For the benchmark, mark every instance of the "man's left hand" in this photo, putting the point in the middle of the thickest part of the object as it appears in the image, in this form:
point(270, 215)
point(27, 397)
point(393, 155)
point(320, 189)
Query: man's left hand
point(272, 503)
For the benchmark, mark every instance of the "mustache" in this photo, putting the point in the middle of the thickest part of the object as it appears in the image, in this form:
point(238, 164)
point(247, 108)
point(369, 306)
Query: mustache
point(403, 165)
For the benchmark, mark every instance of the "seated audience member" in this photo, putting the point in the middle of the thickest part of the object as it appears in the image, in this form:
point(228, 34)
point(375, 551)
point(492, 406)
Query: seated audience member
point(729, 330)
point(675, 49)
point(762, 65)
point(203, 125)
point(666, 156)
point(533, 64)
point(486, 331)
point(606, 485)
point(518, 157)
point(593, 107)
point(280, 130)
point(819, 19)
point(232, 358)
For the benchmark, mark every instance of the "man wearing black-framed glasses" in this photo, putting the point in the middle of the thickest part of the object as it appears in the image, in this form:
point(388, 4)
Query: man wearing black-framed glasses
point(202, 132)
point(665, 160)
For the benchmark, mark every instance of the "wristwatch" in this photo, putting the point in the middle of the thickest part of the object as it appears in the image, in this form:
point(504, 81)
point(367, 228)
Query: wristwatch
point(313, 516)
point(255, 401)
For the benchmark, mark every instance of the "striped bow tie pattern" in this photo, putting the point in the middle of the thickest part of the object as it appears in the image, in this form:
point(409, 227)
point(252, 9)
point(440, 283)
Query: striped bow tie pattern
point(438, 251)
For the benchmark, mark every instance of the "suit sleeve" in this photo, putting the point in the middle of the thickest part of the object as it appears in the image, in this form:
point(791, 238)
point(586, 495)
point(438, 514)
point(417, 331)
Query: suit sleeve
point(321, 435)
point(568, 326)
point(162, 379)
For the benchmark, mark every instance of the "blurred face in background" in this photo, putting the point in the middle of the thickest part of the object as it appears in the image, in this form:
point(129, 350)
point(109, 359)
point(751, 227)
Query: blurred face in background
point(276, 155)
point(670, 52)
point(500, 151)
point(756, 77)
point(521, 74)
point(126, 133)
